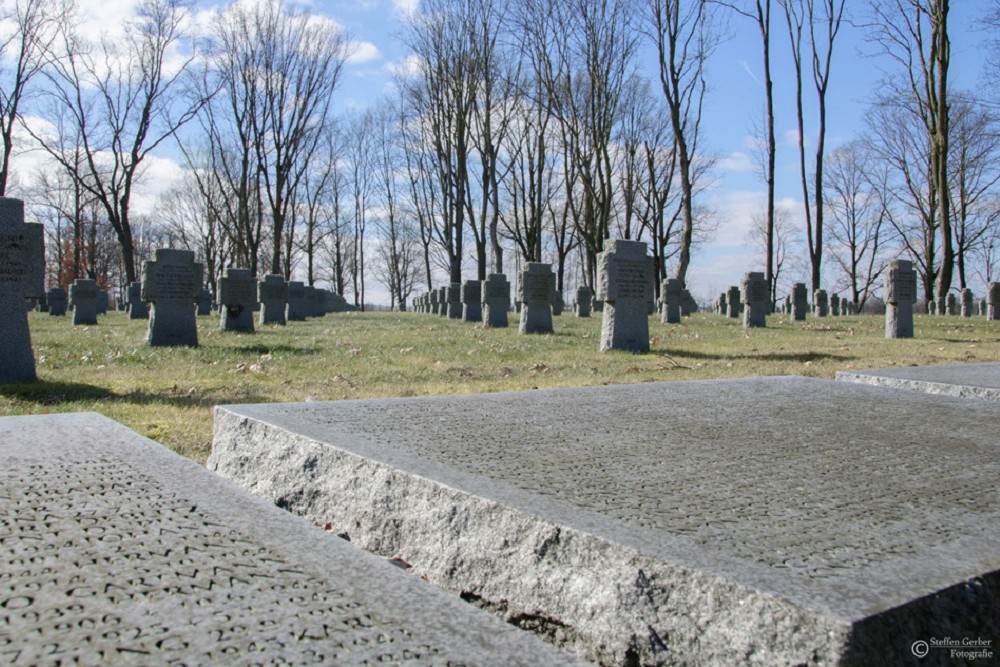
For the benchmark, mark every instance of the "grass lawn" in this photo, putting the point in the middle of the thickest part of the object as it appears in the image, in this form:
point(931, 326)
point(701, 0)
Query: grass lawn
point(167, 394)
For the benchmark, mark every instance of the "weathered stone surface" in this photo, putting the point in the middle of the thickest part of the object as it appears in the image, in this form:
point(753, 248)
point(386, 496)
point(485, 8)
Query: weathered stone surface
point(754, 296)
point(535, 285)
point(900, 293)
point(204, 302)
point(671, 291)
point(136, 307)
point(821, 303)
point(238, 300)
point(117, 551)
point(733, 296)
point(583, 297)
point(171, 282)
point(682, 533)
point(625, 285)
point(22, 276)
point(297, 307)
point(472, 301)
point(962, 380)
point(799, 302)
point(453, 297)
point(56, 297)
point(968, 302)
point(993, 301)
point(273, 291)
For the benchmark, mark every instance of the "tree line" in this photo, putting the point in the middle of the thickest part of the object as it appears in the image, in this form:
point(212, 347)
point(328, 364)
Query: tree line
point(520, 131)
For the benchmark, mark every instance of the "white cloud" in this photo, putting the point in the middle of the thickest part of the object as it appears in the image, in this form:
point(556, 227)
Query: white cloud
point(363, 52)
point(409, 66)
point(737, 161)
point(405, 7)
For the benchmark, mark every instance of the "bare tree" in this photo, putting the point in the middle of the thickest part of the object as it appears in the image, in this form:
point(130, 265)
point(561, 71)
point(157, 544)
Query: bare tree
point(318, 199)
point(36, 24)
point(360, 152)
point(785, 239)
point(191, 224)
point(684, 36)
point(122, 101)
point(823, 26)
point(914, 34)
point(857, 210)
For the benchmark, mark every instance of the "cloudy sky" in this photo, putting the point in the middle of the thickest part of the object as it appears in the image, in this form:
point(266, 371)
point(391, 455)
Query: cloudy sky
point(734, 105)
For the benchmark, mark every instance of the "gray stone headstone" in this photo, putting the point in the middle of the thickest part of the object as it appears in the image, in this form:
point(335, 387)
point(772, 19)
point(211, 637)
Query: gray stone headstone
point(435, 298)
point(666, 535)
point(204, 302)
point(22, 276)
point(558, 304)
point(821, 304)
point(238, 300)
point(968, 302)
point(625, 285)
point(720, 304)
point(671, 291)
point(297, 307)
point(688, 304)
point(496, 300)
point(834, 305)
point(951, 304)
point(83, 299)
point(981, 304)
point(453, 296)
point(171, 282)
point(583, 297)
point(900, 294)
point(596, 305)
point(102, 302)
point(56, 297)
point(733, 302)
point(993, 301)
point(273, 291)
point(754, 297)
point(117, 551)
point(799, 302)
point(535, 285)
point(932, 307)
point(136, 307)
point(443, 304)
point(472, 301)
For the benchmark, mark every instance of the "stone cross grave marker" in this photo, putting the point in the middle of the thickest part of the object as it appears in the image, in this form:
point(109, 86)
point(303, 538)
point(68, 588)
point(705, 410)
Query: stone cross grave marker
point(56, 297)
point(557, 303)
point(137, 309)
point(238, 299)
point(442, 301)
point(83, 299)
point(273, 292)
point(172, 282)
point(821, 304)
point(435, 297)
point(472, 301)
point(535, 284)
point(625, 284)
point(993, 301)
point(583, 296)
point(733, 302)
point(453, 296)
point(496, 300)
point(799, 302)
point(951, 304)
point(22, 276)
point(968, 299)
point(671, 291)
point(296, 302)
point(754, 296)
point(900, 295)
point(205, 302)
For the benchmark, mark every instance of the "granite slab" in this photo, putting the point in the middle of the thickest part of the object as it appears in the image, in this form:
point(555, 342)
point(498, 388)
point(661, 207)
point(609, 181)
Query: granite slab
point(114, 550)
point(980, 380)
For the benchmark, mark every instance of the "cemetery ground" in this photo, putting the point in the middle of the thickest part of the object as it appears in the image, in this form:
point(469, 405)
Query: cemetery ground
point(168, 394)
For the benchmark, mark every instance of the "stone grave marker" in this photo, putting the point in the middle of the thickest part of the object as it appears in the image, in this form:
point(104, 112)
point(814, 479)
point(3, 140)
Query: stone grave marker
point(583, 297)
point(900, 295)
point(558, 305)
point(83, 299)
point(982, 307)
point(136, 307)
point(821, 304)
point(754, 297)
point(117, 551)
point(472, 301)
point(297, 307)
point(834, 305)
point(968, 302)
point(625, 285)
point(22, 276)
point(41, 304)
point(799, 298)
point(665, 536)
point(671, 291)
point(733, 302)
point(56, 296)
point(443, 301)
point(993, 301)
point(951, 304)
point(453, 297)
point(273, 293)
point(496, 300)
point(435, 297)
point(171, 282)
point(535, 284)
point(204, 302)
point(102, 302)
point(720, 304)
point(238, 300)
point(688, 304)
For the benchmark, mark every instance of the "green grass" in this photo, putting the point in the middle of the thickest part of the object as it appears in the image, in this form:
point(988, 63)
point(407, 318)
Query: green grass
point(168, 393)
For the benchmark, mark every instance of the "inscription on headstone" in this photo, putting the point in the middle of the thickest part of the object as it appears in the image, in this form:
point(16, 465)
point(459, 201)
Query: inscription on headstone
point(900, 294)
point(799, 303)
point(535, 285)
point(671, 291)
point(22, 276)
point(625, 284)
point(754, 295)
point(172, 282)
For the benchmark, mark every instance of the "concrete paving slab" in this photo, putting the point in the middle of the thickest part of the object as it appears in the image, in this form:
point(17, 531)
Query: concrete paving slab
point(757, 521)
point(114, 550)
point(963, 380)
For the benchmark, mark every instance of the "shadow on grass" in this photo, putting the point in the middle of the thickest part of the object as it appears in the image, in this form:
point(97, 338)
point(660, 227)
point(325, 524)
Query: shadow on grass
point(52, 394)
point(272, 349)
point(773, 356)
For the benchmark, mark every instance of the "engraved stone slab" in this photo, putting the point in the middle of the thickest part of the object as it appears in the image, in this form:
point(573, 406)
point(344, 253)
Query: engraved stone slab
point(535, 285)
point(22, 276)
point(625, 284)
point(453, 297)
point(671, 291)
point(799, 303)
point(962, 380)
point(900, 289)
point(172, 283)
point(117, 551)
point(683, 532)
point(754, 297)
point(238, 300)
